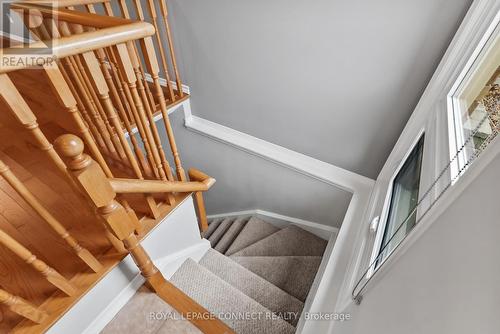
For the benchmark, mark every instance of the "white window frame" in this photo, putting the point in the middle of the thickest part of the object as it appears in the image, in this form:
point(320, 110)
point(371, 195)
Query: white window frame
point(377, 245)
point(455, 101)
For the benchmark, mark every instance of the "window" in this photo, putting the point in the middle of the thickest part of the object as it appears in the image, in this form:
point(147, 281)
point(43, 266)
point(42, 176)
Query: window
point(474, 105)
point(400, 210)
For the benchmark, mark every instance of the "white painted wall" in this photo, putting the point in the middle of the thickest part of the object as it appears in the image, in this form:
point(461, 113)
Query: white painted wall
point(247, 181)
point(335, 80)
point(447, 281)
point(441, 279)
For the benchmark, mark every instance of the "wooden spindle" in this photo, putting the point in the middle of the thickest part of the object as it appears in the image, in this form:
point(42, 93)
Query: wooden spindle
point(117, 101)
point(152, 64)
point(91, 107)
point(81, 79)
point(81, 109)
point(101, 109)
point(164, 12)
point(149, 114)
point(24, 115)
point(63, 93)
point(26, 195)
point(140, 14)
point(20, 306)
point(70, 99)
point(128, 73)
point(163, 57)
point(50, 274)
point(103, 91)
point(141, 127)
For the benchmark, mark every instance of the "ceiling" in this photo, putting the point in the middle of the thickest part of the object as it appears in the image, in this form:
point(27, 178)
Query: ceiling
point(335, 80)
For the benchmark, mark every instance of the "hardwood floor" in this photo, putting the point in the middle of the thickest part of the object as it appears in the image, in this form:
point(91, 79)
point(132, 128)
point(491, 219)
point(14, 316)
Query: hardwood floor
point(52, 189)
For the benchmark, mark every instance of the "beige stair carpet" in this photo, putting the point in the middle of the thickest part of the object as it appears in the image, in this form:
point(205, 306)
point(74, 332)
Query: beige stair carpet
point(146, 313)
point(232, 232)
point(254, 286)
point(260, 288)
point(293, 274)
point(290, 241)
point(221, 230)
point(212, 226)
point(240, 312)
point(255, 230)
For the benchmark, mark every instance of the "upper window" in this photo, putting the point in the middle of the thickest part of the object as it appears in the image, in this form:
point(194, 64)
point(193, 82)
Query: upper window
point(474, 106)
point(400, 209)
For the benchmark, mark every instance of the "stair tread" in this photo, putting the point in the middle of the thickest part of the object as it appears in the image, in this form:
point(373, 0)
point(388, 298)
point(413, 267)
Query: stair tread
point(221, 229)
point(134, 317)
point(268, 295)
point(293, 274)
point(212, 227)
point(231, 234)
point(255, 230)
point(220, 298)
point(290, 241)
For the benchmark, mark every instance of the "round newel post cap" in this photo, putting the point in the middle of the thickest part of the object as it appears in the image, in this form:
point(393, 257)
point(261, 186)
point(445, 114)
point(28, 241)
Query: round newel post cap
point(69, 146)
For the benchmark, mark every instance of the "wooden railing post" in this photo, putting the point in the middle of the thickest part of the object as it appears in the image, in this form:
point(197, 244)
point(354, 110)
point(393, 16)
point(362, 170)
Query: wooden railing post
point(196, 175)
point(89, 175)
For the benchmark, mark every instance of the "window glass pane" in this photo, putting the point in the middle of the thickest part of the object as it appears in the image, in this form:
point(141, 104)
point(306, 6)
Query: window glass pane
point(404, 198)
point(481, 115)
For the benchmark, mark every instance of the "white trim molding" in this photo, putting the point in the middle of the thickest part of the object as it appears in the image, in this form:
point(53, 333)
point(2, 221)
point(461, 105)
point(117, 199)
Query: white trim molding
point(321, 230)
point(280, 155)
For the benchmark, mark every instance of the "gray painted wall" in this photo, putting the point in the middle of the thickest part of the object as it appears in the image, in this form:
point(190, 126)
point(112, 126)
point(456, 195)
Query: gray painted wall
point(336, 80)
point(246, 182)
point(447, 281)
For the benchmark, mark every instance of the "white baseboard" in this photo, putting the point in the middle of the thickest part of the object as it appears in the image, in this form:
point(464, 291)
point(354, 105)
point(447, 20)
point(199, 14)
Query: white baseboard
point(163, 82)
point(321, 230)
point(167, 265)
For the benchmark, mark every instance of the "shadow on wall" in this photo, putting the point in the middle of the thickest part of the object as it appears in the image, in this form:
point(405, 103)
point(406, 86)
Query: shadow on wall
point(247, 182)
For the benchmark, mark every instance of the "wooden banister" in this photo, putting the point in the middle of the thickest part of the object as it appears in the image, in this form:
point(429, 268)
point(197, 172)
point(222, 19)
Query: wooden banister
point(20, 306)
point(70, 16)
point(89, 175)
point(76, 44)
point(67, 3)
point(100, 191)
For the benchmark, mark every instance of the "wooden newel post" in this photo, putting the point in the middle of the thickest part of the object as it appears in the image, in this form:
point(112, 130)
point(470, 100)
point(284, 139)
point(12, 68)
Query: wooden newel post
point(89, 175)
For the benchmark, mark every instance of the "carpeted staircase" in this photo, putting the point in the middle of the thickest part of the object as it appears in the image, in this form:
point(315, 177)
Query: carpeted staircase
point(256, 279)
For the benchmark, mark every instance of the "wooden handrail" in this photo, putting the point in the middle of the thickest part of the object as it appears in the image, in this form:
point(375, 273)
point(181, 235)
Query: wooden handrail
point(71, 16)
point(93, 180)
point(66, 3)
point(128, 186)
point(114, 31)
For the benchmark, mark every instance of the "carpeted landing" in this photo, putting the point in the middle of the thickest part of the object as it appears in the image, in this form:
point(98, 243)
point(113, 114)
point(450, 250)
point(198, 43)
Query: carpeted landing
point(255, 279)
